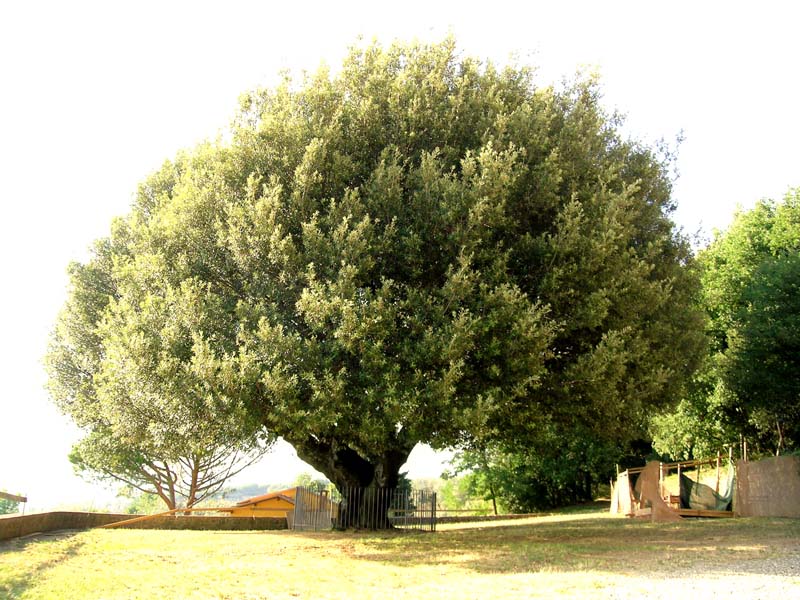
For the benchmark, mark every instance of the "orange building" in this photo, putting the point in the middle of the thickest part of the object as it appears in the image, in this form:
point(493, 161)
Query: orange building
point(301, 507)
point(274, 504)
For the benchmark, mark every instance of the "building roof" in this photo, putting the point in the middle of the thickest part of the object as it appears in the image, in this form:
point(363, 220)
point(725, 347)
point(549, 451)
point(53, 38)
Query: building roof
point(282, 494)
point(279, 495)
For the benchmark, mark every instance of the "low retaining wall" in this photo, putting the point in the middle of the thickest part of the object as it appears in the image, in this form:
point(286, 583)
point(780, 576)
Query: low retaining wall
point(14, 526)
point(211, 523)
point(18, 525)
point(478, 518)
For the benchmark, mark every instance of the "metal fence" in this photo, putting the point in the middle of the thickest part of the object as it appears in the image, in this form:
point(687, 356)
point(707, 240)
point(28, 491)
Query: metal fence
point(364, 508)
point(313, 510)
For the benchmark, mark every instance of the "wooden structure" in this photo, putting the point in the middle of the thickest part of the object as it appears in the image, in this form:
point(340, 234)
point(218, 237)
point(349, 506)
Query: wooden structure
point(642, 492)
point(13, 498)
point(769, 487)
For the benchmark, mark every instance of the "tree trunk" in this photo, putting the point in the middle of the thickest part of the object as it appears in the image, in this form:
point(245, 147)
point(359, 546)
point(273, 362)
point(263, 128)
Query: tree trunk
point(163, 483)
point(363, 482)
point(489, 479)
point(191, 499)
point(587, 486)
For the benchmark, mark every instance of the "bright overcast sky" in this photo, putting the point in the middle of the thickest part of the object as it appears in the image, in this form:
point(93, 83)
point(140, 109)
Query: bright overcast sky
point(95, 95)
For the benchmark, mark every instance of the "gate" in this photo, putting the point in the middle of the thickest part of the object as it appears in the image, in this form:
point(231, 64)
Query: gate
point(313, 511)
point(364, 508)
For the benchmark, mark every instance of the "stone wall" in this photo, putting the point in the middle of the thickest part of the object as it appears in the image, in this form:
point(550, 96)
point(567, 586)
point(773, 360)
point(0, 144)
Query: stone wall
point(479, 518)
point(13, 526)
point(211, 523)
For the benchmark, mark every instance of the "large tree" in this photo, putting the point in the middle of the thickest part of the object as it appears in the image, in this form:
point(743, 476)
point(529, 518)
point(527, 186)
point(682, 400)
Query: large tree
point(422, 247)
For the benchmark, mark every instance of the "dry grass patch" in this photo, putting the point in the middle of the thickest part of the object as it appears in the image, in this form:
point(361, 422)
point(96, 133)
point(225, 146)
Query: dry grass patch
point(567, 556)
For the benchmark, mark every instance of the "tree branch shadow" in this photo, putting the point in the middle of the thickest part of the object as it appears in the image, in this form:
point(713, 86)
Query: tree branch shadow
point(614, 546)
point(15, 586)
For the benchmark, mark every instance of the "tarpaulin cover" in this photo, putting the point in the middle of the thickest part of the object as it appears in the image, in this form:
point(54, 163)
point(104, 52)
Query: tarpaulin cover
point(702, 497)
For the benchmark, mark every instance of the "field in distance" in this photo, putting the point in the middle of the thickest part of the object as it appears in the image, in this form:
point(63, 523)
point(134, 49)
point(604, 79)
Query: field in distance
point(569, 555)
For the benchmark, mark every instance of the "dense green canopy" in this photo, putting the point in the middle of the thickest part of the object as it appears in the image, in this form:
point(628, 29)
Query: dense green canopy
point(420, 247)
point(752, 292)
point(747, 389)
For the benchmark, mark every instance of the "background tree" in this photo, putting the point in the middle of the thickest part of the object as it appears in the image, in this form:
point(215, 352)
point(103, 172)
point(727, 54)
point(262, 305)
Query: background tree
point(307, 480)
point(560, 468)
point(464, 492)
point(156, 409)
point(140, 503)
point(420, 248)
point(749, 389)
point(762, 361)
point(180, 475)
point(476, 474)
point(8, 506)
point(698, 427)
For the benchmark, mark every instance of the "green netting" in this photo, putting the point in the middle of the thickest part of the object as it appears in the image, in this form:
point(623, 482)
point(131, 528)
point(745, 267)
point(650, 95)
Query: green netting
point(702, 497)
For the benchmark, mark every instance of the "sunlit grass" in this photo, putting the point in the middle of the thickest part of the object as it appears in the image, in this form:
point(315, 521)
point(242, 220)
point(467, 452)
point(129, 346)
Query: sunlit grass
point(573, 555)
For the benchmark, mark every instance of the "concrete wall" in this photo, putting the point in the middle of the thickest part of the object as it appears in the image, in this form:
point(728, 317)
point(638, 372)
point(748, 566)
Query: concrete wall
point(768, 488)
point(12, 526)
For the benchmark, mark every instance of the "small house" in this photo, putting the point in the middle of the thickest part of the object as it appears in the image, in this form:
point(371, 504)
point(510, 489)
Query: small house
point(274, 504)
point(301, 507)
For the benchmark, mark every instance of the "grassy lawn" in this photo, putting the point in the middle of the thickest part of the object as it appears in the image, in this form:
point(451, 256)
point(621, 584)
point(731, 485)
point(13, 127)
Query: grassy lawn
point(579, 555)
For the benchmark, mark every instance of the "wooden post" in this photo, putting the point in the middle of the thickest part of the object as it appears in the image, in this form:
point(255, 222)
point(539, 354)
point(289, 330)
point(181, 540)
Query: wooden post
point(138, 519)
point(716, 488)
point(173, 512)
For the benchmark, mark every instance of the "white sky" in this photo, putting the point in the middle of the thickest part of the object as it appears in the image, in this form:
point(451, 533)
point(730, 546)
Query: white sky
point(95, 95)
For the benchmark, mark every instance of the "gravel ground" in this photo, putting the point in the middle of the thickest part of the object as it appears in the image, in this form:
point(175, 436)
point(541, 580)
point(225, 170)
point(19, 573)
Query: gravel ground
point(775, 578)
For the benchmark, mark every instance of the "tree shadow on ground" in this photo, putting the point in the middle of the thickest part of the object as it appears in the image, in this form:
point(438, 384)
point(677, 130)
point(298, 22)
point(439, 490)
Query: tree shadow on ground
point(617, 546)
point(16, 585)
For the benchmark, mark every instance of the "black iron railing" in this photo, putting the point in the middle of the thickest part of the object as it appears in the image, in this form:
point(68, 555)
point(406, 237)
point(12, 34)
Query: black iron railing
point(364, 508)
